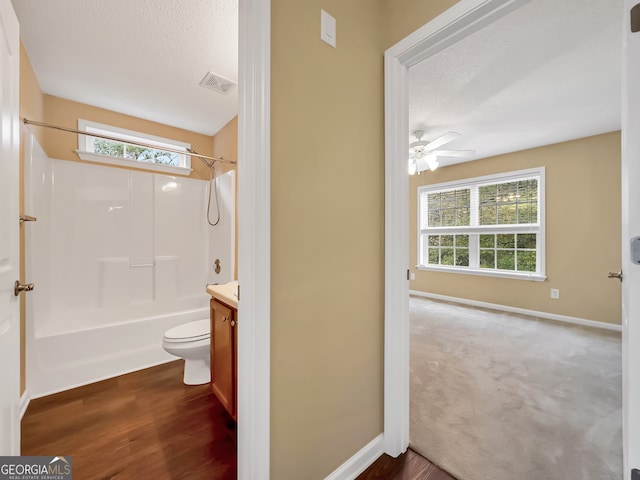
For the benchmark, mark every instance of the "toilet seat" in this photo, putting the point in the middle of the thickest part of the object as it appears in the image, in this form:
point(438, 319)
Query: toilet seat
point(189, 332)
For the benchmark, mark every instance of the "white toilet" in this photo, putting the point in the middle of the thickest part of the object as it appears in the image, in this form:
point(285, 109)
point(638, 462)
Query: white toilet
point(191, 341)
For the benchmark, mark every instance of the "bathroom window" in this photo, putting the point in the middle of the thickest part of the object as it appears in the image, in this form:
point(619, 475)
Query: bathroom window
point(491, 225)
point(121, 152)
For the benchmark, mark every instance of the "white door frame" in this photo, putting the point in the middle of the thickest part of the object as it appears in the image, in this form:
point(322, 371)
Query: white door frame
point(254, 250)
point(9, 243)
point(630, 228)
point(464, 18)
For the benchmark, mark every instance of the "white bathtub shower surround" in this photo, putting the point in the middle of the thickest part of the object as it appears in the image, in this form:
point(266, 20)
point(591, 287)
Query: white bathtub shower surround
point(118, 257)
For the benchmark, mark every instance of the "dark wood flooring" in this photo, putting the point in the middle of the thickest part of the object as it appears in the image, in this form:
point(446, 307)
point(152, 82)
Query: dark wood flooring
point(408, 466)
point(149, 425)
point(144, 425)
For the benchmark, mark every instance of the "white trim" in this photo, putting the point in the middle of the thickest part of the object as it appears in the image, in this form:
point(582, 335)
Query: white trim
point(396, 259)
point(630, 199)
point(521, 311)
point(123, 162)
point(254, 247)
point(484, 273)
point(25, 399)
point(502, 177)
point(462, 19)
point(359, 462)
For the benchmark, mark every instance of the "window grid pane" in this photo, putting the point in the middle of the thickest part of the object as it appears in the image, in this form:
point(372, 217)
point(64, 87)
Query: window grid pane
point(514, 252)
point(509, 203)
point(448, 250)
point(446, 209)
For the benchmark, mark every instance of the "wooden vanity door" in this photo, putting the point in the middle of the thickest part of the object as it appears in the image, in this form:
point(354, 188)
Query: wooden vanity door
point(222, 355)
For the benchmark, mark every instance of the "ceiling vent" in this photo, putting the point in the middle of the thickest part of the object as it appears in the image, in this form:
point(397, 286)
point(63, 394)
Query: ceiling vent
point(217, 83)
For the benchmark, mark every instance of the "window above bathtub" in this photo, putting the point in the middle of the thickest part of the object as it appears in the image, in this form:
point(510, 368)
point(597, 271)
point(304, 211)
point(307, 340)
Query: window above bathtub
point(123, 153)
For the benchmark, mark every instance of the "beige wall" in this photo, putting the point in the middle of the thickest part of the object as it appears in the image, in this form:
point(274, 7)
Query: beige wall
point(225, 145)
point(326, 236)
point(32, 107)
point(62, 145)
point(403, 17)
point(582, 231)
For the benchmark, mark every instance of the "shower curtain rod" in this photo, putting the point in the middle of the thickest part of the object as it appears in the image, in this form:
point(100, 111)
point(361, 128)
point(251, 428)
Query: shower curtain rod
point(189, 152)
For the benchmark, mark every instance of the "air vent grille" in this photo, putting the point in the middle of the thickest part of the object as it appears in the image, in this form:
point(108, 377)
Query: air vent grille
point(217, 83)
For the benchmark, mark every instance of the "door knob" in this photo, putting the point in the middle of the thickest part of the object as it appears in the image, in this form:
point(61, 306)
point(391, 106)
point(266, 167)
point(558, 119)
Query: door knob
point(616, 275)
point(19, 287)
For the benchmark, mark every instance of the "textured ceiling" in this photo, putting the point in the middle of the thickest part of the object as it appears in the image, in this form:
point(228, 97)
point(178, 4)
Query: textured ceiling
point(143, 57)
point(546, 73)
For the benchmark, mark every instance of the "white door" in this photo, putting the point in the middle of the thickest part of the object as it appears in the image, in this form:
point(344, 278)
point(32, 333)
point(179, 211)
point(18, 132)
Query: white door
point(631, 229)
point(9, 232)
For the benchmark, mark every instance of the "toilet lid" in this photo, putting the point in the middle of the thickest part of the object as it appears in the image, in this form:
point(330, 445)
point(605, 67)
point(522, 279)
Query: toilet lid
point(189, 331)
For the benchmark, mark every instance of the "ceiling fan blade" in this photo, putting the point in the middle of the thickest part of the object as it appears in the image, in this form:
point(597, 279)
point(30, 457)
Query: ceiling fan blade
point(441, 140)
point(453, 153)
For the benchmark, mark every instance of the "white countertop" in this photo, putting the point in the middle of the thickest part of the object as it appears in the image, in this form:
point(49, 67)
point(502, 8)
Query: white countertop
point(225, 293)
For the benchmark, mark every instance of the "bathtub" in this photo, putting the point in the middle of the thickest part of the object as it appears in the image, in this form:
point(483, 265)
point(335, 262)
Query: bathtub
point(70, 358)
point(117, 258)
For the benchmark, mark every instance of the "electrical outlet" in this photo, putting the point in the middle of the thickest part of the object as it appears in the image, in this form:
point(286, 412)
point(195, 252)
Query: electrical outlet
point(555, 293)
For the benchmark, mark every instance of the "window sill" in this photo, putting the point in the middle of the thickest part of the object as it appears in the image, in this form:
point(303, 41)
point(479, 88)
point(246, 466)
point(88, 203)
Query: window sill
point(534, 277)
point(123, 162)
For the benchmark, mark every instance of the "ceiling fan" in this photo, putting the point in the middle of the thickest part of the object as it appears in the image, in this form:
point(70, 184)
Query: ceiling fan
point(424, 155)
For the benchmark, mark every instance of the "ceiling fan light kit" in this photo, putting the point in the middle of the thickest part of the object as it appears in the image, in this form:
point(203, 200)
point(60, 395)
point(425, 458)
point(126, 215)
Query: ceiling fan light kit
point(426, 162)
point(423, 155)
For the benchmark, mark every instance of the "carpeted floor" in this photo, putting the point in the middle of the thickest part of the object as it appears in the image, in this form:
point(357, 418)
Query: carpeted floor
point(497, 396)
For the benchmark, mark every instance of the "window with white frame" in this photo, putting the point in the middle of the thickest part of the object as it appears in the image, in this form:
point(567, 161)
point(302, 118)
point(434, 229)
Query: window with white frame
point(121, 152)
point(492, 225)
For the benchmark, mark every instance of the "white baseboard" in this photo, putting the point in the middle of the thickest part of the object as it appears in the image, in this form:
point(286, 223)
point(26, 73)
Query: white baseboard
point(24, 403)
point(522, 311)
point(359, 462)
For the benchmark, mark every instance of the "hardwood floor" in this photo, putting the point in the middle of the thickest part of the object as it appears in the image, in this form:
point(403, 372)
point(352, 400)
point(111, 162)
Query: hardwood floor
point(149, 425)
point(144, 425)
point(408, 466)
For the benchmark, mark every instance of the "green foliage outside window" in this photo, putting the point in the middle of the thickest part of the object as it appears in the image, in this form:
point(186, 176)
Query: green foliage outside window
point(508, 251)
point(133, 152)
point(449, 250)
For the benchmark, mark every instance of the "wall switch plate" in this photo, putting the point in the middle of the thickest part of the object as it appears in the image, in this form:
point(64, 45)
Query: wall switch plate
point(555, 293)
point(327, 28)
point(412, 276)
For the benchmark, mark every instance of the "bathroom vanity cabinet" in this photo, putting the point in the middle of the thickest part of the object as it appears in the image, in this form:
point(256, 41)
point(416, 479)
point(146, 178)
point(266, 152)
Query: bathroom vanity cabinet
point(224, 354)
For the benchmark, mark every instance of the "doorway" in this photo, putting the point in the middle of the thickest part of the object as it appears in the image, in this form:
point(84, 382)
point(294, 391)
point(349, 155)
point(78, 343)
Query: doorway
point(458, 22)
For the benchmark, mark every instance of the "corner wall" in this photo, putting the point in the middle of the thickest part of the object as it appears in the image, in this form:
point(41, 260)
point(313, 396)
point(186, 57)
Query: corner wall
point(582, 231)
point(225, 145)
